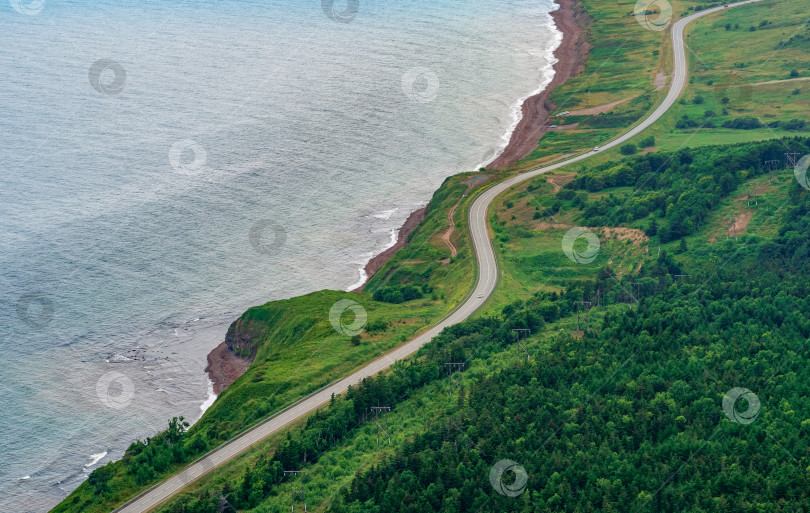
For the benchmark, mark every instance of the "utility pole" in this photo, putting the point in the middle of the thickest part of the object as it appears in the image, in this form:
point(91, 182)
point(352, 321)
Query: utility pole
point(451, 368)
point(772, 165)
point(377, 410)
point(296, 492)
point(521, 333)
point(637, 285)
point(791, 160)
point(587, 314)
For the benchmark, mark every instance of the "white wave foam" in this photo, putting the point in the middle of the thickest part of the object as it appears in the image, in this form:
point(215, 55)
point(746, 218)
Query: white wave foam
point(210, 399)
point(362, 271)
point(95, 459)
point(517, 108)
point(385, 214)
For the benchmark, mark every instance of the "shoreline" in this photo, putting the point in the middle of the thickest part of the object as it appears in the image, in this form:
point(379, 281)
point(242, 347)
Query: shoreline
point(535, 111)
point(380, 259)
point(224, 366)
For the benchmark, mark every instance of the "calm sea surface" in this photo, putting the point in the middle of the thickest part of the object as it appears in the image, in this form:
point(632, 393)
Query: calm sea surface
point(165, 165)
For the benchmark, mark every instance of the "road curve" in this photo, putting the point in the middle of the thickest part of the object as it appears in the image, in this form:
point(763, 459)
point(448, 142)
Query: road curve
point(487, 279)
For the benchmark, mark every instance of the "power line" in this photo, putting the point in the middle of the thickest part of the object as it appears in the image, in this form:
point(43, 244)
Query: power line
point(791, 159)
point(587, 314)
point(453, 367)
point(296, 492)
point(522, 346)
point(380, 428)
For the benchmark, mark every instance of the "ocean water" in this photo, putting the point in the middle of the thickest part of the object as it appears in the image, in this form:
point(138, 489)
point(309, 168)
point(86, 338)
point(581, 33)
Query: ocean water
point(165, 165)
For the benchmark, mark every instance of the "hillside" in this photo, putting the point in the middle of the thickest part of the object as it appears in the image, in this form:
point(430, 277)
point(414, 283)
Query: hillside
point(627, 413)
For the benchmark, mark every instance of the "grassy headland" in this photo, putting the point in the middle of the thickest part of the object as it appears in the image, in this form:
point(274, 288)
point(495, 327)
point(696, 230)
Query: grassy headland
point(296, 349)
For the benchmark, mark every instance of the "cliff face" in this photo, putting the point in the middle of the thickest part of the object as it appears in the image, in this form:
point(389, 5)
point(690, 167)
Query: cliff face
point(243, 338)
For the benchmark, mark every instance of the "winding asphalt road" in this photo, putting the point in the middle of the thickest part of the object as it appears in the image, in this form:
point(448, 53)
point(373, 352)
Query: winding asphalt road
point(487, 279)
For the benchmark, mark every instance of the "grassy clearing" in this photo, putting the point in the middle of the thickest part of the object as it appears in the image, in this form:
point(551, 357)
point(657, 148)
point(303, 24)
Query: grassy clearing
point(769, 81)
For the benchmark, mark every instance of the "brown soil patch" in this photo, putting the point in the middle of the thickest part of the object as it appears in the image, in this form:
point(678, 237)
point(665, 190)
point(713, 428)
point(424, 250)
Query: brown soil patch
point(605, 232)
point(570, 126)
point(601, 109)
point(475, 181)
point(660, 81)
point(649, 150)
point(408, 321)
point(544, 225)
point(559, 181)
point(413, 262)
point(619, 233)
point(447, 236)
point(786, 81)
point(741, 223)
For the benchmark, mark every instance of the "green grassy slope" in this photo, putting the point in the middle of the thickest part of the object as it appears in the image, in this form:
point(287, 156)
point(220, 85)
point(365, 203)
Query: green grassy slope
point(297, 349)
point(642, 389)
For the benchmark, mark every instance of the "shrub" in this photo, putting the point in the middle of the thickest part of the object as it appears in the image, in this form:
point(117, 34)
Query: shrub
point(566, 194)
point(647, 142)
point(628, 149)
point(376, 325)
point(743, 123)
point(685, 122)
point(794, 124)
